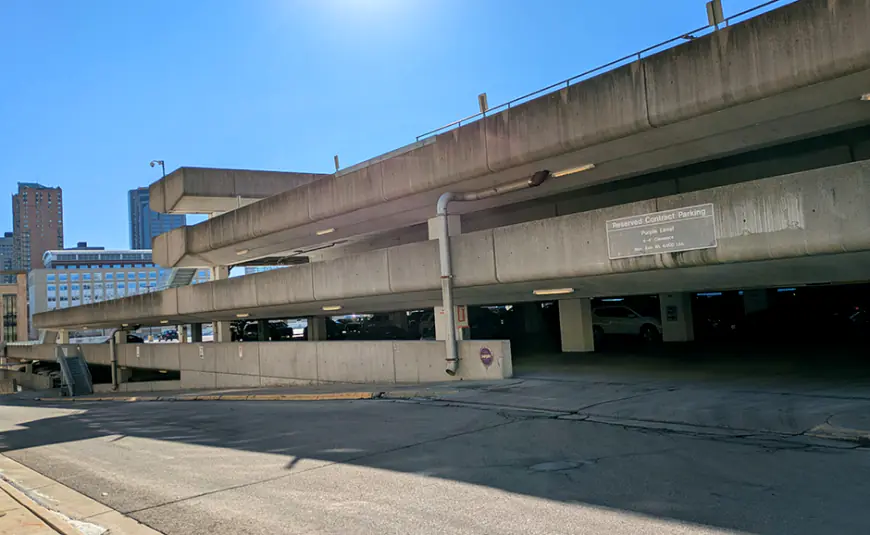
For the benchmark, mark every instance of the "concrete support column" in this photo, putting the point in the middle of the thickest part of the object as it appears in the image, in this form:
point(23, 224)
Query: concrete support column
point(454, 227)
point(120, 337)
point(221, 329)
point(196, 333)
point(63, 336)
point(182, 334)
point(755, 301)
point(316, 329)
point(262, 330)
point(677, 321)
point(575, 325)
point(441, 326)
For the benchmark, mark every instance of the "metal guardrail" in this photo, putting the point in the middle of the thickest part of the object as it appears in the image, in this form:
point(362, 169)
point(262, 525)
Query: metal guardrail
point(637, 56)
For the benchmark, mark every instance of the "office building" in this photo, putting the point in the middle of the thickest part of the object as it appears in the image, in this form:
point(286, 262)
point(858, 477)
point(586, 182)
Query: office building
point(85, 275)
point(145, 223)
point(7, 258)
point(13, 310)
point(250, 270)
point(37, 218)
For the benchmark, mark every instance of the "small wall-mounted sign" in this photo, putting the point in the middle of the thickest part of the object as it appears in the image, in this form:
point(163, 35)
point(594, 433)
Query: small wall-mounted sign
point(486, 356)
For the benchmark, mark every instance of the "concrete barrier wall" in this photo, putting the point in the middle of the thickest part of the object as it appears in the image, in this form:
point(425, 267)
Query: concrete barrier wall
point(27, 381)
point(249, 364)
point(253, 364)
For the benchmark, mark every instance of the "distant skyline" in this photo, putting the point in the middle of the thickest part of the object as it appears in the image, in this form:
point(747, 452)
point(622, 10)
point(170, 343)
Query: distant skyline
point(95, 90)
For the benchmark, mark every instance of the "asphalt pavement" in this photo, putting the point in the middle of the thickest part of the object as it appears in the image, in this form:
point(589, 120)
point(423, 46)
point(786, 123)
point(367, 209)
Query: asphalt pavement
point(599, 453)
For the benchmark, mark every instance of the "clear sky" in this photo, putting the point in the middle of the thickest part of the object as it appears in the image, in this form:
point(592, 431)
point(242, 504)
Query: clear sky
point(92, 90)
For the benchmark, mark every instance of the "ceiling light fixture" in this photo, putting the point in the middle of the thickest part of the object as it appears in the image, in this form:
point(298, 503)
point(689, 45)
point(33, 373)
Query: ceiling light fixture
point(554, 291)
point(164, 322)
point(572, 170)
point(330, 308)
point(125, 325)
point(242, 315)
point(865, 97)
point(325, 231)
point(242, 252)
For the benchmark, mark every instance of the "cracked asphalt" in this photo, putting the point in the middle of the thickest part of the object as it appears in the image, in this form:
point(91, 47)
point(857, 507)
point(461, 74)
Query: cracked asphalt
point(533, 455)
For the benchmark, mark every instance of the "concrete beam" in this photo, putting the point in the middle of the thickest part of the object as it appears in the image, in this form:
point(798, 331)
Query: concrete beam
point(812, 215)
point(199, 190)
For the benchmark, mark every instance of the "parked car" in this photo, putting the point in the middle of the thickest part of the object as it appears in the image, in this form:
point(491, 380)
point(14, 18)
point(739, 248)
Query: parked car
point(169, 335)
point(621, 320)
point(133, 339)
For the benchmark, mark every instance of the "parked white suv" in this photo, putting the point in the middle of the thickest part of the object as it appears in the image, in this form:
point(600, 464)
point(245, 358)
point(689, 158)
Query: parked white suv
point(622, 320)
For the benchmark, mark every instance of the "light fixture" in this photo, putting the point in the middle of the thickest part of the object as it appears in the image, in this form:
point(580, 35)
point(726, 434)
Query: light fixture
point(331, 308)
point(242, 315)
point(125, 325)
point(325, 231)
point(865, 97)
point(242, 252)
point(554, 291)
point(572, 170)
point(164, 322)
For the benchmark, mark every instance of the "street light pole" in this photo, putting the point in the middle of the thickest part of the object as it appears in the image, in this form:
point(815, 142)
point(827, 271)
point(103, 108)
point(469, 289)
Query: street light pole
point(161, 164)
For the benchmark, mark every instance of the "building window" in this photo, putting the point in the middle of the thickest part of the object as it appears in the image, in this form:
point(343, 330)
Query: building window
point(63, 287)
point(62, 277)
point(74, 277)
point(75, 287)
point(142, 275)
point(50, 277)
point(51, 287)
point(110, 276)
point(10, 318)
point(120, 285)
point(86, 276)
point(152, 275)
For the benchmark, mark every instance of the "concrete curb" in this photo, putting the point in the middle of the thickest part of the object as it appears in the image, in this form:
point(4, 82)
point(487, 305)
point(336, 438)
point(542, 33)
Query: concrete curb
point(337, 396)
point(832, 432)
point(53, 520)
point(64, 509)
point(225, 397)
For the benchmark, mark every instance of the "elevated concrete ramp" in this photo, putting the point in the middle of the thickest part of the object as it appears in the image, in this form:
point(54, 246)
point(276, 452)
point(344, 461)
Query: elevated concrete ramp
point(199, 190)
point(803, 228)
point(790, 73)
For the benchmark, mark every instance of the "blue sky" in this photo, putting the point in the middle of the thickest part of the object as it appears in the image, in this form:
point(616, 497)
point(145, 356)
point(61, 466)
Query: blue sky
point(92, 90)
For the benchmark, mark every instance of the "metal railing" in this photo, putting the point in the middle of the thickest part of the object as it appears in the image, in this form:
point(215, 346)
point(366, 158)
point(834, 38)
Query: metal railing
point(636, 56)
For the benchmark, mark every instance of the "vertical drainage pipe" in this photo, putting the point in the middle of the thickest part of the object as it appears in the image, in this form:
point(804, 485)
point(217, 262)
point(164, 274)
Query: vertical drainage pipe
point(113, 349)
point(445, 257)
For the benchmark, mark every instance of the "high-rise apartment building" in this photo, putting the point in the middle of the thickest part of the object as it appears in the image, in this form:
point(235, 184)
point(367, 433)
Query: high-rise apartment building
point(37, 219)
point(7, 258)
point(145, 223)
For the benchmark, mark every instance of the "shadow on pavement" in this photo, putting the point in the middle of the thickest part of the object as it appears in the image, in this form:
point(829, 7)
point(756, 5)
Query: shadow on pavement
point(749, 483)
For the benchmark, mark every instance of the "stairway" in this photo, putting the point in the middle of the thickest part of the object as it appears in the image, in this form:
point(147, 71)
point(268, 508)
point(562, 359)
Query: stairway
point(178, 277)
point(75, 375)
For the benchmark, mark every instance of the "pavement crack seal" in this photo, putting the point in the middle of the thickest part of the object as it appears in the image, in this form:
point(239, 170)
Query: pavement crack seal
point(322, 466)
